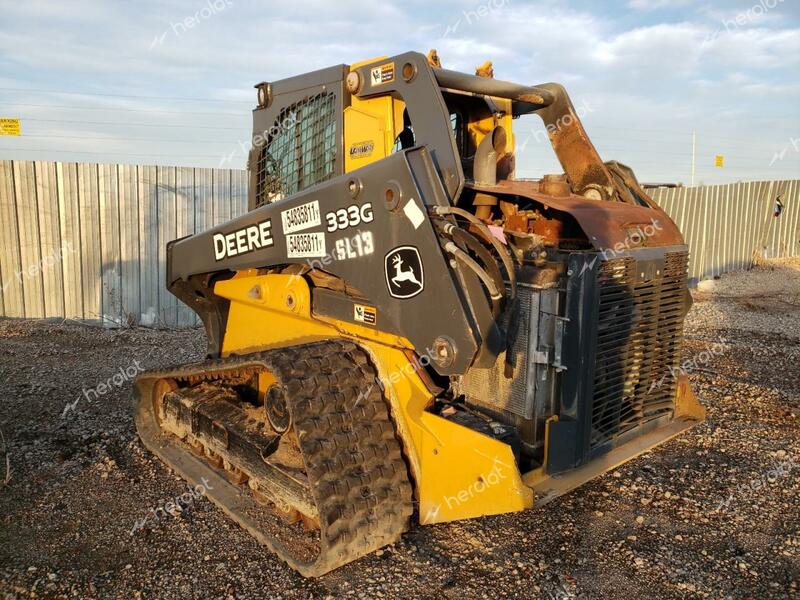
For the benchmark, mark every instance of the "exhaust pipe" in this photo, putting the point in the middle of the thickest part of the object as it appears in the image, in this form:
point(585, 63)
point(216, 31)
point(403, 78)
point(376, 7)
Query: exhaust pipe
point(484, 170)
point(484, 166)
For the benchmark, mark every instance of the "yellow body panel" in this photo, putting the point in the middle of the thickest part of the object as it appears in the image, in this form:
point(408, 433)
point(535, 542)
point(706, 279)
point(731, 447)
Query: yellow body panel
point(272, 311)
point(361, 63)
point(370, 129)
point(365, 134)
point(459, 473)
point(371, 125)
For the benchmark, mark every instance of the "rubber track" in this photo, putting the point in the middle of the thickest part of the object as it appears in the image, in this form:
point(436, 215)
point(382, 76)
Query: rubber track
point(357, 475)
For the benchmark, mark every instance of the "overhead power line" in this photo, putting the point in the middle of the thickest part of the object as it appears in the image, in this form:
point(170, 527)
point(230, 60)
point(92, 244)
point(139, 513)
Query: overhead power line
point(636, 164)
point(50, 150)
point(142, 110)
point(128, 139)
point(178, 98)
point(684, 134)
point(603, 150)
point(189, 126)
point(728, 156)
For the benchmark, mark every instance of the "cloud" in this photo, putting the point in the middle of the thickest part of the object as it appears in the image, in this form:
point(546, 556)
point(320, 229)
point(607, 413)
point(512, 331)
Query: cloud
point(665, 48)
point(641, 64)
point(650, 5)
point(755, 48)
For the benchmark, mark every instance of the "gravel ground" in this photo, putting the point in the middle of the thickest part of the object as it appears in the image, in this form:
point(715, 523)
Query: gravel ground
point(714, 513)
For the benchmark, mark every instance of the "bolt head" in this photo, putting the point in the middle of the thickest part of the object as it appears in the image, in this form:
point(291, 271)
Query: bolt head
point(444, 353)
point(353, 82)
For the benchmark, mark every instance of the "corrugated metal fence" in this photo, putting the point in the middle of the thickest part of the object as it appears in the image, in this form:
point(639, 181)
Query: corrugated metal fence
point(87, 241)
point(728, 227)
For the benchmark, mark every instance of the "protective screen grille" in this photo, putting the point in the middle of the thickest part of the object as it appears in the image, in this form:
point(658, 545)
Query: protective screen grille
point(490, 387)
point(638, 345)
point(300, 151)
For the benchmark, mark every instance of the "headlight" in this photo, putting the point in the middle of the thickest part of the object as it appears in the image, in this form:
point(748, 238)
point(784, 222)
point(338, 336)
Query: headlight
point(264, 94)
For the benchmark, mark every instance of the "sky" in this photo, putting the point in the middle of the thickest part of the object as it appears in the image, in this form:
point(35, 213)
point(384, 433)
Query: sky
point(171, 82)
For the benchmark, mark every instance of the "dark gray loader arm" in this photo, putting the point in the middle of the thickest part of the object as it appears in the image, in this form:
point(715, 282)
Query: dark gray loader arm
point(391, 199)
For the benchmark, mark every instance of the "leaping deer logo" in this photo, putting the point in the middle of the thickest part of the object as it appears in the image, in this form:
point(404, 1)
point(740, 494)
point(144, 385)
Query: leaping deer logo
point(401, 275)
point(404, 272)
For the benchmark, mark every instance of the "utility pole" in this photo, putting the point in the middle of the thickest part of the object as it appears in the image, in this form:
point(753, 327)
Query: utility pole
point(694, 145)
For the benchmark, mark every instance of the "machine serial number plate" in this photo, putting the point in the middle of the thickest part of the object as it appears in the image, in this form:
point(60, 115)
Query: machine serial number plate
point(305, 245)
point(301, 217)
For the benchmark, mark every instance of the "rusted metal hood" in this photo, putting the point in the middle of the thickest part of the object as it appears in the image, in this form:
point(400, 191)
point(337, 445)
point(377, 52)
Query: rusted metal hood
point(606, 223)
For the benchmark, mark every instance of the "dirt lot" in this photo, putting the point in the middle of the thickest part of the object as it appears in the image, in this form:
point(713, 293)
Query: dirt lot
point(714, 513)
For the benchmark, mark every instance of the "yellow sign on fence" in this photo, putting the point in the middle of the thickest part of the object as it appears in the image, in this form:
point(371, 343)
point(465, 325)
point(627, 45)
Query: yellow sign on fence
point(719, 161)
point(9, 127)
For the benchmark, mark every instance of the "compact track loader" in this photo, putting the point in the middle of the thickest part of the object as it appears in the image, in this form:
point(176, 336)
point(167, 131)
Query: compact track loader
point(398, 326)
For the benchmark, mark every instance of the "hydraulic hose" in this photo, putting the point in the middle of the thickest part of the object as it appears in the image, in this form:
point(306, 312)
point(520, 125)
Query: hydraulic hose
point(501, 251)
point(472, 243)
point(495, 294)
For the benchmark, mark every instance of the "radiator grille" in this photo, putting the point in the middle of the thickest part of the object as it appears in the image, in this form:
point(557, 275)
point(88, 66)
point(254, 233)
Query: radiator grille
point(300, 151)
point(490, 387)
point(638, 345)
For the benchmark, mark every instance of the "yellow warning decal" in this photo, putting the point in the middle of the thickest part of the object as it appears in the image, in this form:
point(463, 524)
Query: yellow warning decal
point(10, 127)
point(382, 74)
point(365, 314)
